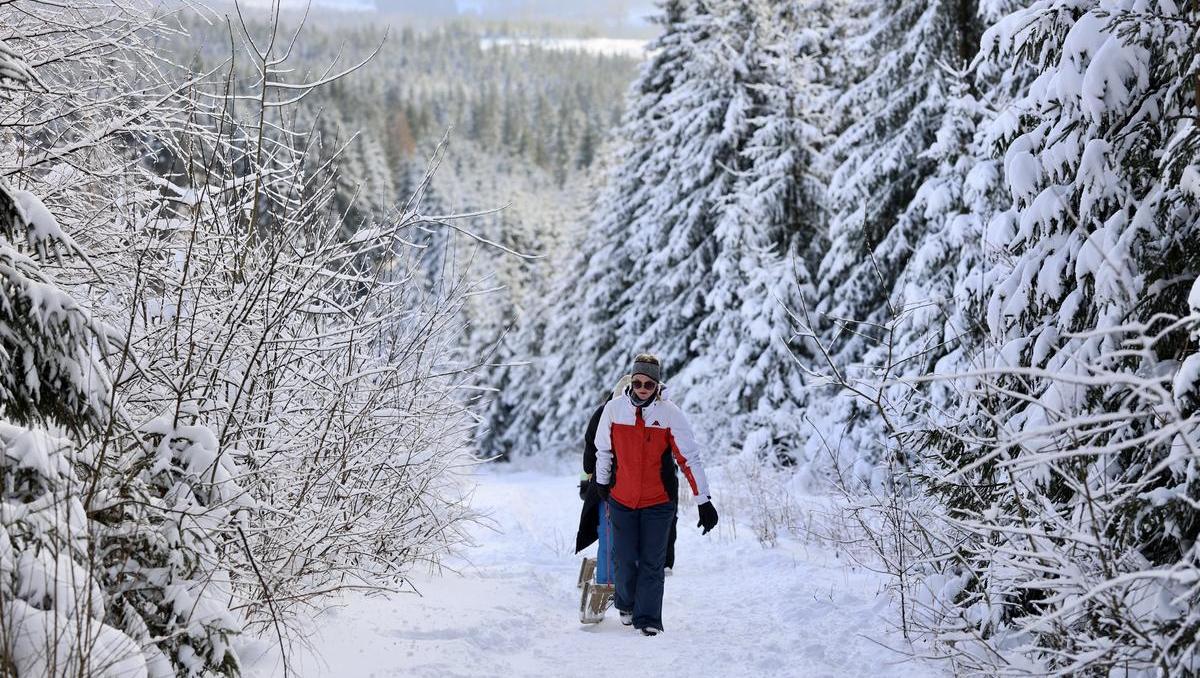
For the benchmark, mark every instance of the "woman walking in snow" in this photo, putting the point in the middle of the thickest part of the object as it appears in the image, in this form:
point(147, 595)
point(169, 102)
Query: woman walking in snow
point(589, 517)
point(633, 430)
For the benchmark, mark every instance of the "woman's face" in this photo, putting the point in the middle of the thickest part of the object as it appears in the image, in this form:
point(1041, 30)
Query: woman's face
point(643, 386)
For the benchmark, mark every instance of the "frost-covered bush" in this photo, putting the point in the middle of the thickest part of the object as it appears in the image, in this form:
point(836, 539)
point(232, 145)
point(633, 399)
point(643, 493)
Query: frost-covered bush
point(240, 406)
point(315, 355)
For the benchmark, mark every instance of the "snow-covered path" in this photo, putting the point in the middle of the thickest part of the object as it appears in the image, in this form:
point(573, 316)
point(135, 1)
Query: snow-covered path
point(731, 608)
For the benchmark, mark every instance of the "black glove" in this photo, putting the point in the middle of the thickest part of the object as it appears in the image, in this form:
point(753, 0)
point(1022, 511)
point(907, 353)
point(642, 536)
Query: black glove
point(583, 488)
point(708, 516)
point(602, 490)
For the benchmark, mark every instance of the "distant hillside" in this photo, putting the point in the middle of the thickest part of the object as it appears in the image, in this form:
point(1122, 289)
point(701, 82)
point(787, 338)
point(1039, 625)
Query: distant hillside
point(612, 18)
point(425, 8)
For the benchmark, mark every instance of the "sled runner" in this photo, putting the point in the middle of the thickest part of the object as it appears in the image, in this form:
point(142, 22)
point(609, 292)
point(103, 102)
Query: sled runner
point(587, 570)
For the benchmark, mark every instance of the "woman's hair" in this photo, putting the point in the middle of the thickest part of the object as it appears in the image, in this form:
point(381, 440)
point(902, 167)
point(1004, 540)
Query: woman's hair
point(622, 384)
point(647, 358)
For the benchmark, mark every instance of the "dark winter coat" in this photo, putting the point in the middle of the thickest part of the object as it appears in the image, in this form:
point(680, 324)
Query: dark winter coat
point(589, 517)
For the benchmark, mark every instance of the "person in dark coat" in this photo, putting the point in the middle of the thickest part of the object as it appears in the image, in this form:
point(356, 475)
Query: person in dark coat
point(589, 517)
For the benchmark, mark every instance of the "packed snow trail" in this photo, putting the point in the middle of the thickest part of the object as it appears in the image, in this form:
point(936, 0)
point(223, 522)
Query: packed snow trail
point(731, 608)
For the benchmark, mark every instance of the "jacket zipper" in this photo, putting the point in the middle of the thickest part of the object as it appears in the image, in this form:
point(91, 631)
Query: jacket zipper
point(640, 423)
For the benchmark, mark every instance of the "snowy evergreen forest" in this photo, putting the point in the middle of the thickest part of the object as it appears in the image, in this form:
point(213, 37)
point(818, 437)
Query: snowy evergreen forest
point(941, 256)
point(273, 281)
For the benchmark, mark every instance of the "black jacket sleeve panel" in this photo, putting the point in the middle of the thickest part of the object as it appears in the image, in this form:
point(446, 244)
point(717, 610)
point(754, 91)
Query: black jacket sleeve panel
point(670, 481)
point(589, 442)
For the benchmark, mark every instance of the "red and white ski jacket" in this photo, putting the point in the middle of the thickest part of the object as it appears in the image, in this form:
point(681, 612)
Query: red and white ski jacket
point(637, 438)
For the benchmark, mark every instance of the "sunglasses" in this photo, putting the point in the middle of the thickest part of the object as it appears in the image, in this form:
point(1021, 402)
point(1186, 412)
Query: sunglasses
point(643, 384)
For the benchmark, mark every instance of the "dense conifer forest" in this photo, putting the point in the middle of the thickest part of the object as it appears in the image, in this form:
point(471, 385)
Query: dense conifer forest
point(273, 279)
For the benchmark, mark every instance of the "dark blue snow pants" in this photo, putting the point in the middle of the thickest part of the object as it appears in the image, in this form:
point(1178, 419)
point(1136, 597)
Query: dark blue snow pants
point(640, 536)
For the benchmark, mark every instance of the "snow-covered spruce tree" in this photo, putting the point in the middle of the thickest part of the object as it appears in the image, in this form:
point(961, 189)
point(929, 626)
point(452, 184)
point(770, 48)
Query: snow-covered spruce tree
point(887, 119)
point(769, 233)
point(1075, 505)
point(935, 332)
point(510, 425)
point(917, 403)
point(689, 154)
point(929, 326)
point(589, 296)
point(709, 122)
point(162, 525)
point(511, 246)
point(51, 607)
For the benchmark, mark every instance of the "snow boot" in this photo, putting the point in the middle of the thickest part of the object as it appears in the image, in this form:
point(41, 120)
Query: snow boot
point(626, 617)
point(651, 631)
point(595, 600)
point(587, 569)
